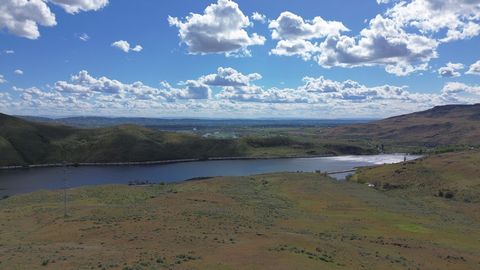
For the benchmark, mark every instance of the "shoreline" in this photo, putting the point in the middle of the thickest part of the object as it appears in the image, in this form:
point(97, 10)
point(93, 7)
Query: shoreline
point(146, 163)
point(166, 162)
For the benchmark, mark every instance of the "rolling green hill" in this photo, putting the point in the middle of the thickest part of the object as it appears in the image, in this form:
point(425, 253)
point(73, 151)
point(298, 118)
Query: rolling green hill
point(442, 125)
point(23, 142)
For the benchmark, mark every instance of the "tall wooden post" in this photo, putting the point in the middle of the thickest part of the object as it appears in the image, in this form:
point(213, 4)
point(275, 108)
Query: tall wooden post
point(65, 213)
point(65, 186)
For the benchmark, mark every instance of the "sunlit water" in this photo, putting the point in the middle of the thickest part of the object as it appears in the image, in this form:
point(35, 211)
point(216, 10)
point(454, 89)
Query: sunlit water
point(27, 180)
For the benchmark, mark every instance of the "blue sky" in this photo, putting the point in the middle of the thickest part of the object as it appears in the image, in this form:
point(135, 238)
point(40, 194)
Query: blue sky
point(312, 59)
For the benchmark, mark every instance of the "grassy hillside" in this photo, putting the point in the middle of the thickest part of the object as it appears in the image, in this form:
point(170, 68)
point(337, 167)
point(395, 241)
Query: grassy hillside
point(443, 125)
point(133, 143)
point(452, 176)
point(301, 142)
point(278, 221)
point(26, 142)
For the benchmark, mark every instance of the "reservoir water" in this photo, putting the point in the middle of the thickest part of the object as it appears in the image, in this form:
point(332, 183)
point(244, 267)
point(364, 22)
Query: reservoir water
point(27, 180)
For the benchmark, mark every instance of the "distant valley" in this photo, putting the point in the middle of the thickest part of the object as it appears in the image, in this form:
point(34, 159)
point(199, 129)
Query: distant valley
point(189, 124)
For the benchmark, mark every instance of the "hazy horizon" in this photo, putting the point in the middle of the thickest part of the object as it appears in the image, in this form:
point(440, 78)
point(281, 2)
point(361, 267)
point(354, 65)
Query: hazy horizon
point(53, 117)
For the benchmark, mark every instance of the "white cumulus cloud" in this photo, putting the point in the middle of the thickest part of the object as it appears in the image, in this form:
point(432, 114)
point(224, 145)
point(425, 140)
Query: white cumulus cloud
point(458, 18)
point(85, 85)
point(297, 47)
point(451, 70)
point(75, 6)
point(474, 68)
point(220, 29)
point(404, 39)
point(229, 77)
point(321, 90)
point(458, 88)
point(125, 46)
point(233, 93)
point(259, 17)
point(294, 34)
point(384, 42)
point(290, 26)
point(23, 17)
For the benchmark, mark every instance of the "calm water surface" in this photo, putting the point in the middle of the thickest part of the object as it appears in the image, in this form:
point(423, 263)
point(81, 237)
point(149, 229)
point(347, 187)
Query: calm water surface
point(27, 180)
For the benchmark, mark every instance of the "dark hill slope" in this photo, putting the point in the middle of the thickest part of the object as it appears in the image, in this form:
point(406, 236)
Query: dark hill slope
point(442, 125)
point(23, 142)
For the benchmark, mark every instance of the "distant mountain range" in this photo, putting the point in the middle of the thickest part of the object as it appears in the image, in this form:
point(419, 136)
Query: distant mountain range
point(186, 124)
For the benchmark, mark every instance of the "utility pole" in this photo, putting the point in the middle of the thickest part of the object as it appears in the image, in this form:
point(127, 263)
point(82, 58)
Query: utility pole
point(65, 186)
point(65, 189)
